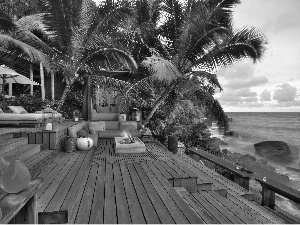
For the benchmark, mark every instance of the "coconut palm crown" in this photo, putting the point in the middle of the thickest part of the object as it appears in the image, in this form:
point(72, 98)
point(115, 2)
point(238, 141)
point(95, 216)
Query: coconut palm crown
point(200, 38)
point(81, 37)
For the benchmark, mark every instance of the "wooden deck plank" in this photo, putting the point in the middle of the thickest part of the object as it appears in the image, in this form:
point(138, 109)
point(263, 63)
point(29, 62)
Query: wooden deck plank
point(158, 204)
point(202, 212)
point(147, 207)
point(224, 210)
point(110, 210)
point(133, 202)
point(172, 207)
point(121, 201)
point(243, 215)
point(51, 171)
point(60, 195)
point(210, 208)
point(72, 204)
point(77, 183)
point(178, 170)
point(84, 209)
point(97, 210)
point(185, 208)
point(256, 209)
point(50, 190)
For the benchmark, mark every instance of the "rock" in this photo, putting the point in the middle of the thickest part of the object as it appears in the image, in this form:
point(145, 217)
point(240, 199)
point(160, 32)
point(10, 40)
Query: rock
point(237, 155)
point(232, 134)
point(272, 148)
point(218, 141)
point(209, 164)
point(247, 159)
point(224, 151)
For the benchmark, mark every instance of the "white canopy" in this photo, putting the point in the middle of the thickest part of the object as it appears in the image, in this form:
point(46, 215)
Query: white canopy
point(12, 76)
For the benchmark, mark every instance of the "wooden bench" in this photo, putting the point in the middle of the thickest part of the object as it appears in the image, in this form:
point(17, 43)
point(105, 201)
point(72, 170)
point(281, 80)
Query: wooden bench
point(20, 207)
point(240, 177)
point(270, 187)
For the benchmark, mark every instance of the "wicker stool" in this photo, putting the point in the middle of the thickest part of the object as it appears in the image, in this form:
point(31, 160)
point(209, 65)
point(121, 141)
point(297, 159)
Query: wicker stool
point(70, 144)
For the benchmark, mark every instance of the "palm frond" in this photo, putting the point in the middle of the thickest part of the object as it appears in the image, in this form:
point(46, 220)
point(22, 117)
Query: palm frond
point(18, 48)
point(110, 59)
point(162, 69)
point(6, 23)
point(212, 78)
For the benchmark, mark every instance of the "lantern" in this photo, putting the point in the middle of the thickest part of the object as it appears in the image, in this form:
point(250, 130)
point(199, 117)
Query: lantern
point(76, 115)
point(84, 143)
point(136, 115)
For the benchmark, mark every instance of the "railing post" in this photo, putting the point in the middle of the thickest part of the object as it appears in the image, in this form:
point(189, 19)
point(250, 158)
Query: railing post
point(268, 197)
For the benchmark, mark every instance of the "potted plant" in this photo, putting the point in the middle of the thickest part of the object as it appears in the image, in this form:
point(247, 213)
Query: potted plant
point(122, 116)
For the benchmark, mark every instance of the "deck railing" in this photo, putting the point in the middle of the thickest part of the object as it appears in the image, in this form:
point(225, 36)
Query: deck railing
point(240, 177)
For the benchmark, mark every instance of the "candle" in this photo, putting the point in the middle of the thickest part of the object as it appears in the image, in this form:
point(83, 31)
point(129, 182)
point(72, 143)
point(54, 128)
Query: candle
point(49, 126)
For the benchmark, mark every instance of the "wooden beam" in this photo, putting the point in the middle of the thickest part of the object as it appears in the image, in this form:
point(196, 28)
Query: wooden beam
point(9, 89)
point(42, 81)
point(31, 78)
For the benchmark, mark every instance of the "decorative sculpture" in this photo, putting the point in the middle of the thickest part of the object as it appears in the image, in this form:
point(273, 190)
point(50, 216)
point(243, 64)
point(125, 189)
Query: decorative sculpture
point(16, 177)
point(84, 143)
point(3, 166)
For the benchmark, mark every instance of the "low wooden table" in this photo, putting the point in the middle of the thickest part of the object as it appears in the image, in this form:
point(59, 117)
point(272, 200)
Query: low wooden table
point(20, 207)
point(137, 147)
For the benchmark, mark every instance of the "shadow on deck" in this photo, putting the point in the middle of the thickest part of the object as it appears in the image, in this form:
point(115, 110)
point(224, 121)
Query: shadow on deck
point(98, 186)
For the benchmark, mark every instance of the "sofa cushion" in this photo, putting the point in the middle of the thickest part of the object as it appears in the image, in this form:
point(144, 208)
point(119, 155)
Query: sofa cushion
point(82, 133)
point(104, 116)
point(91, 128)
point(127, 127)
point(17, 109)
point(72, 131)
point(112, 125)
point(94, 138)
point(98, 126)
point(103, 109)
point(86, 128)
point(133, 124)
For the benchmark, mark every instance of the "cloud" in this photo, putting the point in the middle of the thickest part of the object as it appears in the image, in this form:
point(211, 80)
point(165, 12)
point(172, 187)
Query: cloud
point(265, 95)
point(252, 82)
point(285, 93)
point(246, 92)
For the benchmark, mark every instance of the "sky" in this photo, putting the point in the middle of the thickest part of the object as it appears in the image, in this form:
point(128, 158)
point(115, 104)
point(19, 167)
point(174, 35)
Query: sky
point(273, 83)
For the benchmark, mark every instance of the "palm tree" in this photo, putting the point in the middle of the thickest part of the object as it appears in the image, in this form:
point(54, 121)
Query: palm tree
point(81, 37)
point(200, 39)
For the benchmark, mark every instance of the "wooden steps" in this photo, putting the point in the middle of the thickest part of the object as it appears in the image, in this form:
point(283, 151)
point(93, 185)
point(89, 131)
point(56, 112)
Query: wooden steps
point(11, 143)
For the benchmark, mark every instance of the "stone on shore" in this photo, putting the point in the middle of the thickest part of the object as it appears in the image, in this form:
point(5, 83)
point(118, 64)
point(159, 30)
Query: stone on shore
point(218, 141)
point(232, 134)
point(247, 159)
point(272, 148)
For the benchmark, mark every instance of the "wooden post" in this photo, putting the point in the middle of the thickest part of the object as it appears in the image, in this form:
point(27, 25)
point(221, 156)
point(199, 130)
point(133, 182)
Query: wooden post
point(42, 81)
point(31, 78)
point(52, 85)
point(268, 197)
point(173, 144)
point(9, 89)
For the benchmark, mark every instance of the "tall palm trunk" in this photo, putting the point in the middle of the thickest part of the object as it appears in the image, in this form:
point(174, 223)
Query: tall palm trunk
point(159, 102)
point(42, 81)
point(31, 78)
point(69, 83)
point(52, 85)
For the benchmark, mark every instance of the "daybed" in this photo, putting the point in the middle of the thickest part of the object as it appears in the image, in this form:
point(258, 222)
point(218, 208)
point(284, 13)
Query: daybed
point(28, 118)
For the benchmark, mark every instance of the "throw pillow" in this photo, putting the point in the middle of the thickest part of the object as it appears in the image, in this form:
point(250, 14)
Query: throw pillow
point(82, 133)
point(17, 109)
point(24, 112)
point(1, 111)
point(128, 123)
point(99, 126)
point(86, 128)
point(91, 128)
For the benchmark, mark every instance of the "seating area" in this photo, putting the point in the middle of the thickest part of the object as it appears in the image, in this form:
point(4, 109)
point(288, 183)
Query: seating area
point(157, 186)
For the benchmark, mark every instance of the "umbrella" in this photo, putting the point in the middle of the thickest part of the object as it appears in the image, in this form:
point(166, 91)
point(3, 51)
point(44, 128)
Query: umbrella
point(8, 75)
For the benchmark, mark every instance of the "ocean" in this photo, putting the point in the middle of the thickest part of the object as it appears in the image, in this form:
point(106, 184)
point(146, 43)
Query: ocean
point(254, 127)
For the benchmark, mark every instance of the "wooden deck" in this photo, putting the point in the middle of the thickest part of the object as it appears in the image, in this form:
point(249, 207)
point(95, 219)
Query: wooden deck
point(98, 186)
